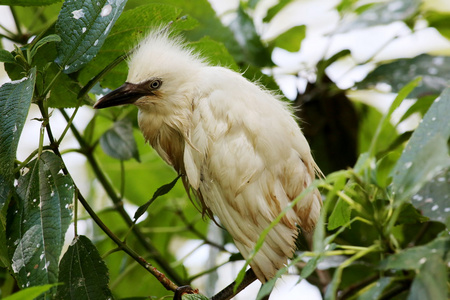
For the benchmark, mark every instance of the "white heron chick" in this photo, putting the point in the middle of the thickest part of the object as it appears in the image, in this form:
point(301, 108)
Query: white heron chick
point(237, 145)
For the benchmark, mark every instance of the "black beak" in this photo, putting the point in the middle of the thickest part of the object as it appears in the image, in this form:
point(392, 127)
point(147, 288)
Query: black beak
point(128, 93)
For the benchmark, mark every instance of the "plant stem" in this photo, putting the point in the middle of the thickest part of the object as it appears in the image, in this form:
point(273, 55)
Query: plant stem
point(50, 85)
point(16, 20)
point(70, 120)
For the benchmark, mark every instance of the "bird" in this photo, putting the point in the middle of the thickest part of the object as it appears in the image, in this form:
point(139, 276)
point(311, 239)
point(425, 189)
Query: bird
point(236, 145)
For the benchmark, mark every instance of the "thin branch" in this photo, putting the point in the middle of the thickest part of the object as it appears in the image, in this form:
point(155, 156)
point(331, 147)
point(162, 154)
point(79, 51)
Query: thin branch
point(228, 292)
point(166, 282)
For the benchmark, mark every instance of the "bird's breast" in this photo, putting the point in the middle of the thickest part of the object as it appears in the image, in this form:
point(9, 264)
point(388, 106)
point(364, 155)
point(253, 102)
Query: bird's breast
point(166, 140)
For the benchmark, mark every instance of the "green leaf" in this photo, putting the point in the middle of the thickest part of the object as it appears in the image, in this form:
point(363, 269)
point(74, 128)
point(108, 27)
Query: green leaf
point(421, 106)
point(215, 52)
point(385, 120)
point(15, 101)
point(340, 215)
point(245, 33)
point(369, 120)
point(434, 70)
point(252, 3)
point(325, 63)
point(274, 10)
point(194, 297)
point(431, 281)
point(28, 2)
point(345, 5)
point(38, 19)
point(426, 153)
point(382, 14)
point(64, 91)
point(30, 293)
point(83, 272)
point(375, 290)
point(47, 39)
point(433, 198)
point(291, 39)
point(209, 24)
point(402, 94)
point(254, 74)
point(38, 221)
point(310, 266)
point(384, 168)
point(159, 192)
point(439, 21)
point(410, 215)
point(6, 56)
point(131, 27)
point(83, 27)
point(119, 142)
point(414, 258)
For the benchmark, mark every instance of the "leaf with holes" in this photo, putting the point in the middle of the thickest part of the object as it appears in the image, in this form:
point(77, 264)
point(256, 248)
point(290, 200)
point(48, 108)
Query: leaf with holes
point(433, 199)
point(83, 27)
point(434, 70)
point(431, 280)
point(38, 221)
point(426, 153)
point(15, 101)
point(413, 258)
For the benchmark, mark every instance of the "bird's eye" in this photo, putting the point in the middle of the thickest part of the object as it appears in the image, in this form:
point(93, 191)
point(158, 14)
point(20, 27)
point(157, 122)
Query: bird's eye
point(155, 84)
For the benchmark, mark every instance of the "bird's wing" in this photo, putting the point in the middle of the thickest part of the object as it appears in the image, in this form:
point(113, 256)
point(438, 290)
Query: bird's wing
point(249, 160)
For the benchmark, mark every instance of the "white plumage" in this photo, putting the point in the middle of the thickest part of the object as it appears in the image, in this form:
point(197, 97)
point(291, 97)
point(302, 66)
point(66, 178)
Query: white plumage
point(238, 145)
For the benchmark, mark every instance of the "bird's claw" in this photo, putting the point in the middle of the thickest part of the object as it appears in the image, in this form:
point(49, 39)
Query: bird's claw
point(182, 290)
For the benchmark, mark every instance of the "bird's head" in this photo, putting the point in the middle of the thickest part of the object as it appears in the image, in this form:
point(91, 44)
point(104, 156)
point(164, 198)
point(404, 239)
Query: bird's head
point(161, 73)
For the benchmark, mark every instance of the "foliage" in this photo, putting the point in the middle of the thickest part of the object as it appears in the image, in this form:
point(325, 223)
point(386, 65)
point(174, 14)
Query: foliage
point(385, 215)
